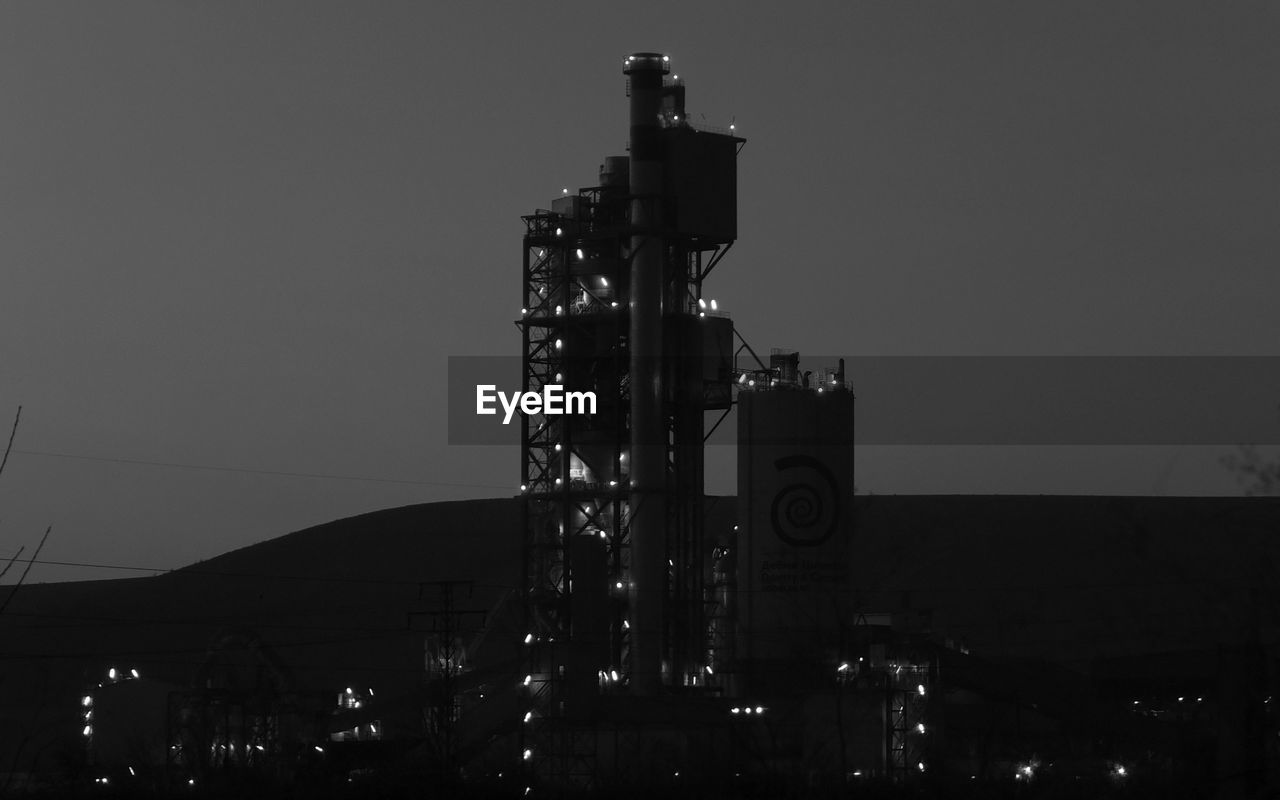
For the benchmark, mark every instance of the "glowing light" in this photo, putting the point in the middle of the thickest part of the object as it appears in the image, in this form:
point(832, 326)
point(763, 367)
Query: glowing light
point(713, 304)
point(920, 689)
point(618, 584)
point(86, 700)
point(528, 754)
point(528, 715)
point(524, 311)
point(920, 766)
point(613, 674)
point(559, 232)
point(564, 190)
point(559, 310)
point(559, 344)
point(604, 281)
point(528, 679)
point(920, 727)
point(702, 303)
point(528, 638)
point(524, 487)
point(88, 730)
point(319, 749)
point(580, 254)
point(134, 673)
point(111, 673)
point(613, 304)
point(557, 447)
point(730, 126)
point(759, 709)
point(844, 667)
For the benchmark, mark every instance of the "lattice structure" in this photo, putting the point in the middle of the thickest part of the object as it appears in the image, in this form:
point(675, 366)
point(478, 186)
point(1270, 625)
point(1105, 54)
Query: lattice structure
point(909, 689)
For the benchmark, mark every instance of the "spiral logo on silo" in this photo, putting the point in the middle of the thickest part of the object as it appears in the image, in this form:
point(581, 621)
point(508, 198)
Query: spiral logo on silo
point(807, 512)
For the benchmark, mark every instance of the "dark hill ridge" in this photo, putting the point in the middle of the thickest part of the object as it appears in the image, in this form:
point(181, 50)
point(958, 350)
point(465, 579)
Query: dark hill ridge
point(332, 602)
point(1076, 580)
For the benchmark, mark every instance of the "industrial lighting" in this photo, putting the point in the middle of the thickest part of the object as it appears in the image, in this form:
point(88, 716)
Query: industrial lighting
point(86, 700)
point(713, 304)
point(613, 674)
point(759, 709)
point(614, 304)
point(613, 483)
point(626, 624)
point(580, 254)
point(559, 344)
point(701, 314)
point(734, 710)
point(746, 710)
point(564, 190)
point(666, 58)
point(742, 378)
point(844, 667)
point(920, 727)
point(920, 689)
point(528, 679)
point(618, 584)
point(528, 638)
point(528, 715)
point(604, 281)
point(528, 754)
point(88, 730)
point(111, 673)
point(920, 766)
point(730, 126)
point(349, 690)
point(134, 673)
point(559, 310)
point(559, 232)
point(319, 749)
point(702, 303)
point(524, 487)
point(524, 311)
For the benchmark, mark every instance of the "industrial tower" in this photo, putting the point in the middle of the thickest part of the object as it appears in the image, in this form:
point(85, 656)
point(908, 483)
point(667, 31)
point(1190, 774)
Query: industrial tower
point(615, 588)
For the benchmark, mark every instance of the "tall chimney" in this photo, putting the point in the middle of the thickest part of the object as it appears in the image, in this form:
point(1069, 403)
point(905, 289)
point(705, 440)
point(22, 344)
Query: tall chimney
point(648, 452)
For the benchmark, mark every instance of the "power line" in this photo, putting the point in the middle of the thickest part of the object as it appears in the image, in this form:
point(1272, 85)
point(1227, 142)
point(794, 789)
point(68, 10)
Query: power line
point(184, 571)
point(247, 471)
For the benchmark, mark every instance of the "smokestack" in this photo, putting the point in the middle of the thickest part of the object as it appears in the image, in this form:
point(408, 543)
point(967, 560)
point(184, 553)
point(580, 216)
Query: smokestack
point(648, 453)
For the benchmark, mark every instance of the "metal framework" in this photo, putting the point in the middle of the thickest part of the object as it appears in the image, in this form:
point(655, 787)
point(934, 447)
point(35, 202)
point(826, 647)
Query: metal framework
point(574, 479)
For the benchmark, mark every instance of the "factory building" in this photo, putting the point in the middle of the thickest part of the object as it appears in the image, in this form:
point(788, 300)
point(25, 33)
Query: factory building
point(613, 628)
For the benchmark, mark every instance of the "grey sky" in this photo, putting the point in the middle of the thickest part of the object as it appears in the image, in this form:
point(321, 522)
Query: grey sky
point(250, 234)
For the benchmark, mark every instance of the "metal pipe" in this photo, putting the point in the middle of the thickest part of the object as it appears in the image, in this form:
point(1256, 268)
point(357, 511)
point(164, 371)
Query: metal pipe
point(648, 451)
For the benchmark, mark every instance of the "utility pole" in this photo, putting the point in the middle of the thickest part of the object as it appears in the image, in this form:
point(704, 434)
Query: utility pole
point(443, 665)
